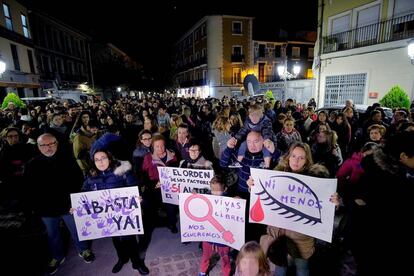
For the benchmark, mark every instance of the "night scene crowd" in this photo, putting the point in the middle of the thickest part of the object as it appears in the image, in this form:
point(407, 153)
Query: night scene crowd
point(49, 151)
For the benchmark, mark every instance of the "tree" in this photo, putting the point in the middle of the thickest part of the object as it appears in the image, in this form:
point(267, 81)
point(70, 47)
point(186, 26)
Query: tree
point(395, 98)
point(11, 97)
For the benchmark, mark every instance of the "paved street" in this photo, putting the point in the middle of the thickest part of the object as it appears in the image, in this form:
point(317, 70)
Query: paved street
point(167, 256)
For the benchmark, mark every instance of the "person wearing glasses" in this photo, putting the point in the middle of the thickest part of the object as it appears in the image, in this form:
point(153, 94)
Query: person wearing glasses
point(196, 160)
point(56, 175)
point(143, 147)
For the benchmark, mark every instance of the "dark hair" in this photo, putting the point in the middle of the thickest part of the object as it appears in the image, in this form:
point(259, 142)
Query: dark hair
point(219, 180)
point(113, 163)
point(369, 146)
point(140, 134)
point(401, 143)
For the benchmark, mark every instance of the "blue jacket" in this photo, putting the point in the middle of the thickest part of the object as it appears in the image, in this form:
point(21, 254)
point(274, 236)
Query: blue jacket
point(250, 160)
point(122, 176)
point(264, 126)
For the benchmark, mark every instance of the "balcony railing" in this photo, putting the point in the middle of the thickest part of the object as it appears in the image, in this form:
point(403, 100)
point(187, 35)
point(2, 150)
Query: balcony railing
point(385, 31)
point(237, 58)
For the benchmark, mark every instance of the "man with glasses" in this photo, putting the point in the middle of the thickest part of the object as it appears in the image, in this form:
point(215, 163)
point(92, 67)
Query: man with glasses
point(57, 175)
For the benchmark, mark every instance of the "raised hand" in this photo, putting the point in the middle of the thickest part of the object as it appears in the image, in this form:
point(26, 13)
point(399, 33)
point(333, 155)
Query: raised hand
point(85, 232)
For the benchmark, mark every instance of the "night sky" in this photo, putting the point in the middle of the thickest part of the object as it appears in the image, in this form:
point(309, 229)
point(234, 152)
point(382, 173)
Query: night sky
point(149, 32)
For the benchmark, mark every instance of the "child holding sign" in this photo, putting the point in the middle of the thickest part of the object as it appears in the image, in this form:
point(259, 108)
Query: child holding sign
point(217, 188)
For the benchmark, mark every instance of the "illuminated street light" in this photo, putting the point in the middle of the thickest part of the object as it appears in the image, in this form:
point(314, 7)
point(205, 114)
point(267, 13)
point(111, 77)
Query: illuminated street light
point(2, 66)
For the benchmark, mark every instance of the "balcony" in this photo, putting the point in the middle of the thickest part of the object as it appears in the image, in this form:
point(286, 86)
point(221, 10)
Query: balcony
point(237, 58)
point(385, 31)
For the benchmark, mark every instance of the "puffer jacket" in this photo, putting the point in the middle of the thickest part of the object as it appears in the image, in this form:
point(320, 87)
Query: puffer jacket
point(121, 176)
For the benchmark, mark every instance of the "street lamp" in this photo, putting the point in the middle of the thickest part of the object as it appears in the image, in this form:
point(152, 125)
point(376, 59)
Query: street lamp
point(285, 75)
point(118, 89)
point(410, 50)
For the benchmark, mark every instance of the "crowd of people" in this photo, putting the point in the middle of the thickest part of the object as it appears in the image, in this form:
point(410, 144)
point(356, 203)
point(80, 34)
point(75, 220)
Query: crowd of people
point(48, 152)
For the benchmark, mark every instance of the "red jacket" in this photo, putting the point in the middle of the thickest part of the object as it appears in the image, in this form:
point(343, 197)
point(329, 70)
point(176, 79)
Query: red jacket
point(351, 170)
point(150, 164)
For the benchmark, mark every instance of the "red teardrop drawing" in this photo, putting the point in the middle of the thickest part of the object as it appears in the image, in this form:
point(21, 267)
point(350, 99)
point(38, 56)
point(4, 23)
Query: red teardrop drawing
point(256, 213)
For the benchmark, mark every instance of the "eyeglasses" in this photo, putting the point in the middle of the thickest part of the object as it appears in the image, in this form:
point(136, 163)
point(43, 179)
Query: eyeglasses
point(48, 145)
point(100, 160)
point(146, 139)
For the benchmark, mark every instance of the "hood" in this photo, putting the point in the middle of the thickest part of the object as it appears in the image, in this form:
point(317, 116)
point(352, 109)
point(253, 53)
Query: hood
point(123, 168)
point(103, 143)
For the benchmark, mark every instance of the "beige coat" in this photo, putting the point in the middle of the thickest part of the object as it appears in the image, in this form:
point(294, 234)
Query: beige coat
point(298, 245)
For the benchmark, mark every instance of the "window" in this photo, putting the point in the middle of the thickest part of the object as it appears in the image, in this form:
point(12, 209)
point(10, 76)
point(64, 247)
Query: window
point(7, 15)
point(31, 64)
point(15, 57)
point(237, 27)
point(262, 49)
point(237, 50)
point(277, 51)
point(25, 27)
point(339, 88)
point(402, 7)
point(339, 26)
point(203, 52)
point(203, 30)
point(46, 65)
point(310, 53)
point(236, 76)
point(295, 52)
point(366, 22)
point(60, 68)
point(196, 34)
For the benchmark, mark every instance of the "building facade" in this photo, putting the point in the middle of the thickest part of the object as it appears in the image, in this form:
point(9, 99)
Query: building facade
point(17, 51)
point(361, 50)
point(62, 52)
point(212, 58)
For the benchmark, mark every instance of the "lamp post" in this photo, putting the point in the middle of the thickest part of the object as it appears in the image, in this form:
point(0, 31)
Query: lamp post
point(410, 50)
point(284, 74)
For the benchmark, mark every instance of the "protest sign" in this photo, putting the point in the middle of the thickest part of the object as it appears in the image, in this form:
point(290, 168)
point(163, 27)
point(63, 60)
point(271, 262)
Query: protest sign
point(178, 180)
point(293, 201)
point(216, 219)
point(107, 213)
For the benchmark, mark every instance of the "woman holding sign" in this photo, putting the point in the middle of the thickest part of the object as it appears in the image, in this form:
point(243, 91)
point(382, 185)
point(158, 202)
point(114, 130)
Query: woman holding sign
point(107, 173)
point(299, 247)
point(159, 157)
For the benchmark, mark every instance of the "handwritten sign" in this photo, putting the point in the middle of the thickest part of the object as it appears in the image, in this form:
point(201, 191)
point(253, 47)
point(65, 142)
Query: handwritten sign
point(211, 218)
point(178, 180)
point(293, 201)
point(107, 213)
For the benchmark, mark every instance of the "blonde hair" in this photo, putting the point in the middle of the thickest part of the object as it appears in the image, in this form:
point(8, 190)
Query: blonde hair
point(255, 108)
point(284, 161)
point(220, 123)
point(253, 248)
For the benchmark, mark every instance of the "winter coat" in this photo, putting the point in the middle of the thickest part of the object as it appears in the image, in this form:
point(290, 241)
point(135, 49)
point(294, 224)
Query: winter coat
point(250, 160)
point(284, 139)
point(151, 164)
point(52, 180)
point(220, 142)
point(82, 144)
point(121, 176)
point(200, 164)
point(264, 126)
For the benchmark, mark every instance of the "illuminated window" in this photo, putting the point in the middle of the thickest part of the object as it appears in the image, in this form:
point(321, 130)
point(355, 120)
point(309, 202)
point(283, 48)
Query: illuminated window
point(25, 27)
point(7, 15)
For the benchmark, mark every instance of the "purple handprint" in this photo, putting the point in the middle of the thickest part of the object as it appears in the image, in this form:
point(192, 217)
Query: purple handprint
point(108, 231)
point(85, 232)
point(109, 219)
point(95, 216)
point(126, 211)
point(164, 174)
point(106, 196)
point(88, 223)
point(100, 223)
point(79, 211)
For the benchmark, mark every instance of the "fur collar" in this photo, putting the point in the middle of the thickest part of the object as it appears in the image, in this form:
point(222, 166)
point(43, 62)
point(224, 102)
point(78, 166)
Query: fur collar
point(123, 168)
